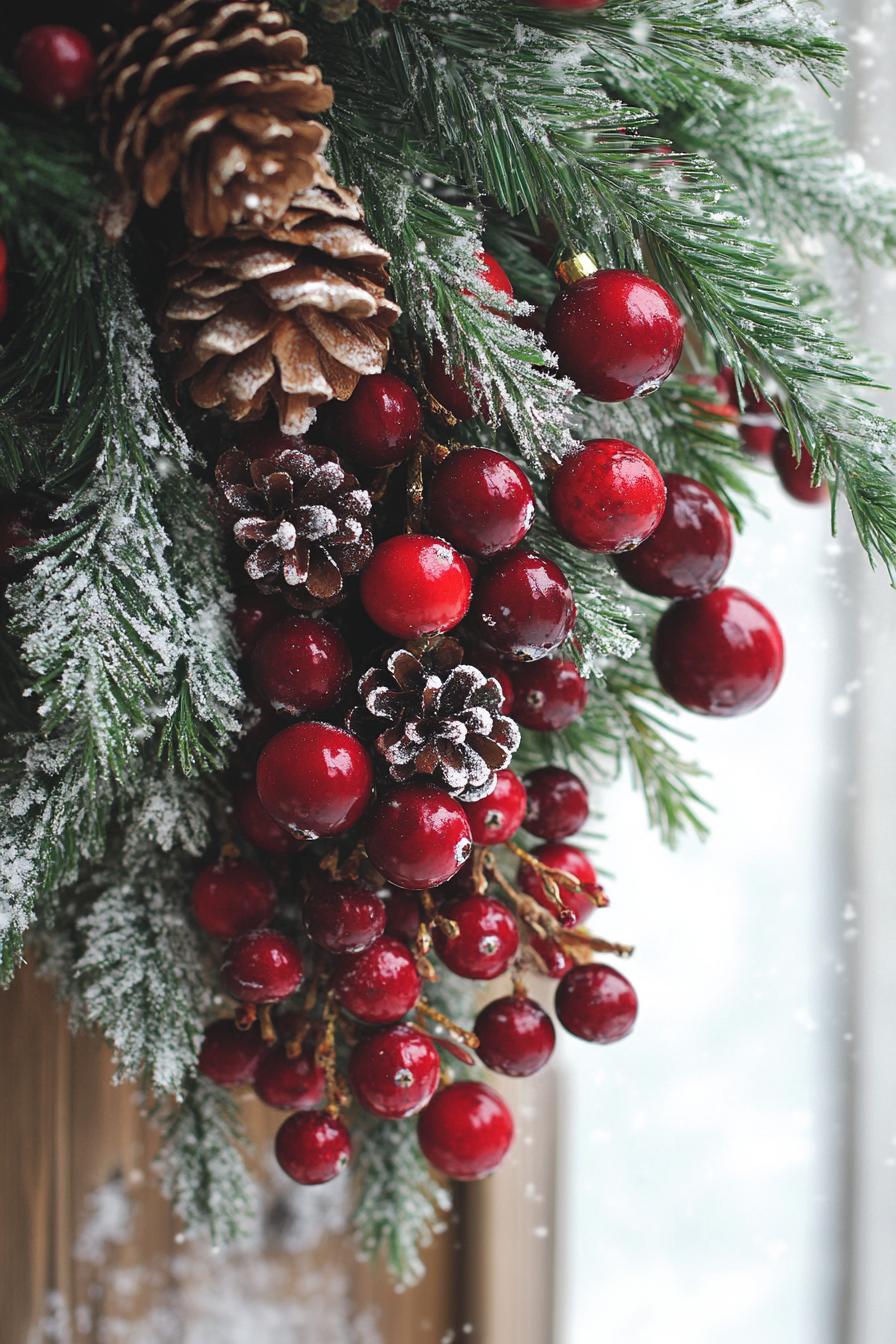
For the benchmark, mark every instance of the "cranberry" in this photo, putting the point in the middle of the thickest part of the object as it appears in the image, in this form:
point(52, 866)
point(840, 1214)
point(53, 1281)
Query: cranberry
point(301, 665)
point(229, 1056)
point(379, 424)
point(395, 1072)
point(523, 606)
point(487, 940)
point(688, 553)
point(414, 585)
point(232, 897)
point(719, 654)
point(254, 613)
point(380, 984)
point(313, 1147)
point(489, 665)
point(554, 957)
point(796, 477)
point(314, 779)
point(262, 967)
point(403, 914)
point(597, 1003)
point(418, 836)
point(566, 859)
point(465, 1131)
point(516, 1036)
point(607, 496)
point(494, 819)
point(56, 66)
point(344, 916)
point(258, 826)
point(297, 1084)
point(481, 501)
point(265, 438)
point(447, 385)
point(549, 695)
point(557, 803)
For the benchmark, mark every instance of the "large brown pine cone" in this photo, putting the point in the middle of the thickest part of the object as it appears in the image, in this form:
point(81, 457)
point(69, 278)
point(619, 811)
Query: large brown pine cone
point(213, 97)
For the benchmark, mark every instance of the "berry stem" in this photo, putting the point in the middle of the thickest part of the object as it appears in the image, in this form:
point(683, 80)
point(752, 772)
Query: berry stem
point(266, 1024)
point(468, 1037)
point(596, 944)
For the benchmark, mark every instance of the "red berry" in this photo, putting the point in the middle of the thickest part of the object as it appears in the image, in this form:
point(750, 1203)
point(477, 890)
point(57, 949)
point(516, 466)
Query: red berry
point(607, 496)
point(688, 553)
point(301, 665)
point(314, 779)
point(414, 585)
point(56, 66)
point(403, 914)
point(258, 826)
point(758, 434)
point(265, 438)
point(597, 1003)
point(487, 940)
point(228, 1056)
point(344, 916)
point(719, 654)
point(796, 477)
point(465, 1131)
point(231, 897)
point(297, 1084)
point(418, 836)
point(262, 967)
point(516, 1036)
point(395, 1072)
point(495, 819)
point(567, 859)
point(254, 613)
point(447, 386)
point(379, 424)
point(549, 695)
point(523, 606)
point(489, 665)
point(481, 501)
point(616, 334)
point(313, 1147)
point(557, 803)
point(380, 984)
point(555, 959)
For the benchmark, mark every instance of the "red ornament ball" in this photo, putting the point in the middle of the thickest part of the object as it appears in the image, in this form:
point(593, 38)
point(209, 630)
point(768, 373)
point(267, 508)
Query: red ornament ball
point(414, 585)
point(557, 803)
point(231, 897)
point(516, 1036)
point(689, 552)
point(495, 819)
point(380, 984)
point(607, 496)
point(262, 967)
point(313, 1147)
point(228, 1056)
point(297, 1084)
point(796, 477)
point(481, 501)
point(301, 665)
point(395, 1072)
point(548, 695)
point(258, 826)
point(466, 1131)
point(493, 274)
point(344, 916)
point(486, 942)
point(616, 334)
point(721, 654)
point(596, 1003)
point(566, 859)
point(418, 836)
point(523, 606)
point(379, 424)
point(56, 66)
point(314, 779)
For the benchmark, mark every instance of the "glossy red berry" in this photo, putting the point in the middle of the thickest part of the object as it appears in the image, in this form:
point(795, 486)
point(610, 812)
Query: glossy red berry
point(616, 334)
point(523, 606)
point(297, 1084)
point(486, 942)
point(418, 836)
point(607, 496)
point(495, 819)
point(258, 826)
point(689, 552)
point(557, 802)
point(796, 477)
point(231, 897)
point(313, 1147)
point(343, 916)
point(56, 66)
point(228, 1056)
point(566, 859)
point(553, 956)
point(394, 1073)
point(403, 915)
point(415, 585)
point(314, 779)
point(596, 1003)
point(301, 665)
point(720, 654)
point(262, 967)
point(380, 984)
point(379, 424)
point(465, 1131)
point(254, 613)
point(516, 1036)
point(448, 387)
point(481, 501)
point(548, 695)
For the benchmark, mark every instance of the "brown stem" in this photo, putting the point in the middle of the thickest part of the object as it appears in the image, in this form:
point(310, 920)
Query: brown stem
point(572, 936)
point(468, 1037)
point(266, 1023)
point(244, 1015)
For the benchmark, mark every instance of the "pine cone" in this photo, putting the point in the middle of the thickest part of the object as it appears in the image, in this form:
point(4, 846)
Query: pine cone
point(214, 97)
point(295, 316)
point(438, 716)
point(302, 516)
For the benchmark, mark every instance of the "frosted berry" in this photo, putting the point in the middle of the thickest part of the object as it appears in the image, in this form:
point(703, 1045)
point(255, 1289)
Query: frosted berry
point(523, 606)
point(796, 477)
point(258, 826)
point(566, 859)
point(380, 984)
point(553, 956)
point(231, 897)
point(415, 585)
point(596, 1003)
point(56, 66)
point(466, 1131)
point(516, 1036)
point(616, 334)
point(379, 424)
point(689, 552)
point(418, 836)
point(313, 1147)
point(548, 695)
point(487, 940)
point(721, 654)
point(395, 1072)
point(481, 502)
point(228, 1056)
point(314, 779)
point(495, 819)
point(343, 916)
point(557, 803)
point(262, 967)
point(607, 496)
point(297, 1084)
point(300, 665)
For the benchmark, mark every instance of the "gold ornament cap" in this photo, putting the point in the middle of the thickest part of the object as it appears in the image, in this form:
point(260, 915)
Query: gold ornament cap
point(576, 268)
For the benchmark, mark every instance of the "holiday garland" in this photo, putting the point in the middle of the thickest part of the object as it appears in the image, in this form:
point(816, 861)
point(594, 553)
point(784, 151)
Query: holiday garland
point(357, 506)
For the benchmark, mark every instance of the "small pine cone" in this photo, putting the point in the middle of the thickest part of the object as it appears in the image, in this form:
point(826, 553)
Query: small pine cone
point(214, 97)
point(303, 518)
point(437, 715)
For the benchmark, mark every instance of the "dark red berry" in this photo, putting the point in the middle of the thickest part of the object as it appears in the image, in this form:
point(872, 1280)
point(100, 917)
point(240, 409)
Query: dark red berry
point(488, 663)
point(56, 66)
point(554, 958)
point(597, 1003)
point(516, 1036)
point(395, 1072)
point(414, 585)
point(379, 424)
point(796, 477)
point(447, 386)
point(231, 897)
point(523, 606)
point(418, 836)
point(344, 916)
point(262, 967)
point(495, 819)
point(688, 553)
point(314, 779)
point(720, 654)
point(548, 695)
point(465, 1131)
point(313, 1147)
point(265, 438)
point(297, 1084)
point(254, 613)
point(301, 665)
point(566, 859)
point(486, 942)
point(380, 984)
point(228, 1056)
point(557, 803)
point(258, 826)
point(481, 501)
point(403, 914)
point(607, 496)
